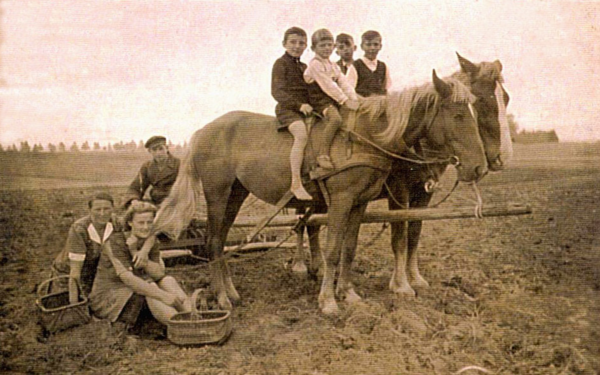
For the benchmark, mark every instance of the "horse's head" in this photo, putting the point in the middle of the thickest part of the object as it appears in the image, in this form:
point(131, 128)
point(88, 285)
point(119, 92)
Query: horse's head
point(439, 113)
point(484, 80)
point(453, 128)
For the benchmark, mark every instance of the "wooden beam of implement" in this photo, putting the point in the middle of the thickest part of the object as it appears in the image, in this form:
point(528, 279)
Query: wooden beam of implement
point(370, 217)
point(415, 214)
point(176, 253)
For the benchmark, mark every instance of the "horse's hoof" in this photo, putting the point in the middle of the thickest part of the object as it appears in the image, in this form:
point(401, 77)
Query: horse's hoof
point(233, 296)
point(331, 310)
point(225, 304)
point(329, 307)
point(404, 291)
point(232, 293)
point(352, 297)
point(300, 268)
point(419, 282)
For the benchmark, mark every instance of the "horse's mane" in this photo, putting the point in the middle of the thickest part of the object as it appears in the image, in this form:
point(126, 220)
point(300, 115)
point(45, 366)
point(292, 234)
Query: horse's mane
point(487, 71)
point(399, 105)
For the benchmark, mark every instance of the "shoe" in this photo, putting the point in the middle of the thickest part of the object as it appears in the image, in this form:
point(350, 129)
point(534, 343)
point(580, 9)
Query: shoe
point(324, 161)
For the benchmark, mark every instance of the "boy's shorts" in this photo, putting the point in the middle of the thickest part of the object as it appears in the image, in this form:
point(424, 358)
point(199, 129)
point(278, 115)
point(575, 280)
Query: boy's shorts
point(286, 117)
point(322, 108)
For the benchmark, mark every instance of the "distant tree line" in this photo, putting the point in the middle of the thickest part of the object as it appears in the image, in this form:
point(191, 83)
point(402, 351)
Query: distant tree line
point(524, 136)
point(121, 146)
point(536, 137)
point(519, 137)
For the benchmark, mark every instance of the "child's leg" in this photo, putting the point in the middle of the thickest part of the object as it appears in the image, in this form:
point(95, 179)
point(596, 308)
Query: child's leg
point(333, 121)
point(298, 130)
point(163, 312)
point(160, 311)
point(169, 284)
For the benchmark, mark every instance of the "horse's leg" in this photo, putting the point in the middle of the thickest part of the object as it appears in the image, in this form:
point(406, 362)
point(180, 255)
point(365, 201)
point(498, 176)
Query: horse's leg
point(216, 207)
point(299, 263)
point(399, 239)
point(314, 244)
point(399, 281)
point(315, 250)
point(238, 194)
point(223, 200)
point(337, 224)
point(345, 288)
point(414, 233)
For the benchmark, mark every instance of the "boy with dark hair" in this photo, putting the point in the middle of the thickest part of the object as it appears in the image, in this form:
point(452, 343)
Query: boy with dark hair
point(345, 48)
point(372, 76)
point(328, 90)
point(291, 93)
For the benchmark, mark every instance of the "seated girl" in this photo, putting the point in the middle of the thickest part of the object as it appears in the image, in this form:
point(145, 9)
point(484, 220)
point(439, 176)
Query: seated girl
point(120, 289)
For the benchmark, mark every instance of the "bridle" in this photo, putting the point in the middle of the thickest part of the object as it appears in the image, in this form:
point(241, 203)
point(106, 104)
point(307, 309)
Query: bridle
point(418, 157)
point(414, 157)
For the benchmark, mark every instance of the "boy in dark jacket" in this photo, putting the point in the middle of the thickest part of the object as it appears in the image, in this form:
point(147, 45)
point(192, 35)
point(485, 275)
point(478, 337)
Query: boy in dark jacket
point(159, 173)
point(291, 93)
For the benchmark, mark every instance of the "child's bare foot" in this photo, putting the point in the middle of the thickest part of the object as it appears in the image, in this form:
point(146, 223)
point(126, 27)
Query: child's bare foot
point(324, 161)
point(179, 304)
point(301, 193)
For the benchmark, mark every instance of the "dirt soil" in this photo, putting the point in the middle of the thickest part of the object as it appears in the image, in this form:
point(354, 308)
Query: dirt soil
point(508, 295)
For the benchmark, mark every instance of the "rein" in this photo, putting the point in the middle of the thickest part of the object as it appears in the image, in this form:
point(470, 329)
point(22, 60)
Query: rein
point(393, 198)
point(447, 195)
point(450, 160)
point(419, 150)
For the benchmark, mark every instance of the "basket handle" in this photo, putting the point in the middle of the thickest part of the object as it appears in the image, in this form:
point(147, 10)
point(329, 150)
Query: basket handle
point(199, 293)
point(46, 283)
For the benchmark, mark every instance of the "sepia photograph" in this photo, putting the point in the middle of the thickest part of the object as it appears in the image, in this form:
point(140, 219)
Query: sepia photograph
point(300, 187)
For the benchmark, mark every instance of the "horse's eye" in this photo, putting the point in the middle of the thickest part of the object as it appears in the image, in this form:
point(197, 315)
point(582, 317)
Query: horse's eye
point(459, 117)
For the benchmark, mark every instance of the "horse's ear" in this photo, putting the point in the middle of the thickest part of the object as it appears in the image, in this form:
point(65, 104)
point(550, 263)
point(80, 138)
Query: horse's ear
point(498, 65)
point(441, 87)
point(467, 66)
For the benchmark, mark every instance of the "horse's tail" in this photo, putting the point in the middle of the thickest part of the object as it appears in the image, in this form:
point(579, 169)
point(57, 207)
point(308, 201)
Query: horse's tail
point(179, 208)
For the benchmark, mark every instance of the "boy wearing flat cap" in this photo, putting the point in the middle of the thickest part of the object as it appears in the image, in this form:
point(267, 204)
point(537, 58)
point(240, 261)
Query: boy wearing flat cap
point(159, 173)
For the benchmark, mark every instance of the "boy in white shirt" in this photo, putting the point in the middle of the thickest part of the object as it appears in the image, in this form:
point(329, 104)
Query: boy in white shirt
point(328, 90)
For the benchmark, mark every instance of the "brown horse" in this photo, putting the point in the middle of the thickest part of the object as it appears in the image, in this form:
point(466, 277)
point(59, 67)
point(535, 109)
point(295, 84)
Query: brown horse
point(242, 153)
point(405, 186)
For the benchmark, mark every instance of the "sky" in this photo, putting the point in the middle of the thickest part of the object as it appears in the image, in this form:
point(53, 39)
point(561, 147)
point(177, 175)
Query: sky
point(112, 70)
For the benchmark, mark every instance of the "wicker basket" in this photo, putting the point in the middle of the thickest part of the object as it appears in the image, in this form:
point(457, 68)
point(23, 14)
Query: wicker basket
point(200, 326)
point(56, 314)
